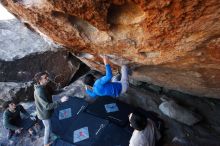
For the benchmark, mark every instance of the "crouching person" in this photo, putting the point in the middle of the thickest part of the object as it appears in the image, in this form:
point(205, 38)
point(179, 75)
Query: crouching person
point(13, 121)
point(145, 131)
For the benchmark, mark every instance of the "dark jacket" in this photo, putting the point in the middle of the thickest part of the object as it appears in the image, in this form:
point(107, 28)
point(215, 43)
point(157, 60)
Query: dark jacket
point(43, 102)
point(11, 119)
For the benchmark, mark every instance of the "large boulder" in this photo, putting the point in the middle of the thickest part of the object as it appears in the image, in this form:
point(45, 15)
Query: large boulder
point(23, 53)
point(59, 64)
point(174, 43)
point(17, 41)
point(179, 113)
point(15, 91)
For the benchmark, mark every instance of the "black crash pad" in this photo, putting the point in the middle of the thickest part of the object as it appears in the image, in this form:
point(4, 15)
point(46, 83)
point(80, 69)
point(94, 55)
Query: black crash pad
point(120, 117)
point(113, 135)
point(93, 124)
point(60, 142)
point(75, 105)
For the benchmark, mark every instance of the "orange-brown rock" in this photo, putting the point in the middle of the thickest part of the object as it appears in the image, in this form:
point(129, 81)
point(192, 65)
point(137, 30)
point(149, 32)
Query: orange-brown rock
point(175, 43)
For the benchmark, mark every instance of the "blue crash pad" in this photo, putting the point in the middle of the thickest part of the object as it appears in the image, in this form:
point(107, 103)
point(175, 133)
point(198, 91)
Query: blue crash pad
point(60, 142)
point(113, 135)
point(75, 106)
point(92, 124)
point(118, 114)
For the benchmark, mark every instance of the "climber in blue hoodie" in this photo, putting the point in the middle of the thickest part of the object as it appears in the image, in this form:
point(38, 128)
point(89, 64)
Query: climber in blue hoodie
point(106, 85)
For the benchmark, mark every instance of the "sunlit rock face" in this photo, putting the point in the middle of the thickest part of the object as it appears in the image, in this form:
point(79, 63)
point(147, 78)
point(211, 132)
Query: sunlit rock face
point(174, 44)
point(17, 41)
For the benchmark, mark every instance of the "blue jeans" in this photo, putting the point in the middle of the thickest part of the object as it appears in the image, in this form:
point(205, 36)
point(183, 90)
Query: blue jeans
point(47, 130)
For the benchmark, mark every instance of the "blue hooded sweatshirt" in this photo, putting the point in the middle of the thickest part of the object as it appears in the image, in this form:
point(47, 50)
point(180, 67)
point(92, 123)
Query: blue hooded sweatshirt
point(104, 86)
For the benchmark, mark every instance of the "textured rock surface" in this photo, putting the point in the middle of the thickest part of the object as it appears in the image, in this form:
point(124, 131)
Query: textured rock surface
point(179, 113)
point(175, 43)
point(23, 54)
point(15, 91)
point(59, 64)
point(16, 76)
point(18, 41)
